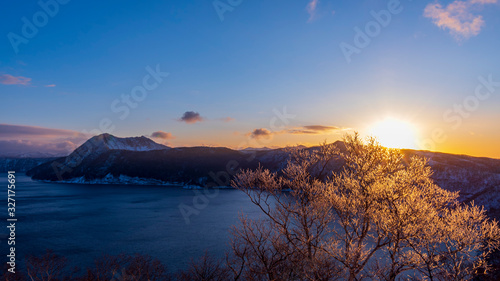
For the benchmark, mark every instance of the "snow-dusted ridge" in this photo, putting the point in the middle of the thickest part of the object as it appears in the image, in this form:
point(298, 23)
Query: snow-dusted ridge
point(126, 180)
point(106, 142)
point(141, 161)
point(131, 144)
point(109, 142)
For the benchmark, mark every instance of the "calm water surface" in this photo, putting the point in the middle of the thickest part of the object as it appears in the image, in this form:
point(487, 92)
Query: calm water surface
point(82, 222)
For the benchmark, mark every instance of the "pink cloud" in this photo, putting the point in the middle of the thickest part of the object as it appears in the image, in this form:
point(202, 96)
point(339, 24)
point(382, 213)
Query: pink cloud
point(8, 79)
point(311, 9)
point(227, 119)
point(8, 131)
point(483, 1)
point(458, 17)
point(162, 135)
point(50, 86)
point(19, 139)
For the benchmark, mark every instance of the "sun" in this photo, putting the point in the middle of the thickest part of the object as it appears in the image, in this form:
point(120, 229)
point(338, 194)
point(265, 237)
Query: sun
point(395, 133)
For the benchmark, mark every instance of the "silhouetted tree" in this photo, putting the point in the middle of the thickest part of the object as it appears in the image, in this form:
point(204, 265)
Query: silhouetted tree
point(207, 268)
point(144, 267)
point(106, 267)
point(47, 267)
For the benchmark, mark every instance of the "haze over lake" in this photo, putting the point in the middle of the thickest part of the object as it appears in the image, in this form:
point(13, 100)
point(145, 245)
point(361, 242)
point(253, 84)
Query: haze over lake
point(82, 222)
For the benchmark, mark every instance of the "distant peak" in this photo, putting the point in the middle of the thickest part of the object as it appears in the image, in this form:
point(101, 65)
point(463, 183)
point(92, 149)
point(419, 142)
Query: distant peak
point(105, 136)
point(104, 142)
point(102, 136)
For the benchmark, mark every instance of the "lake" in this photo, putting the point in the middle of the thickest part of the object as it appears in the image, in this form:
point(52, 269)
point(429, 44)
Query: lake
point(82, 222)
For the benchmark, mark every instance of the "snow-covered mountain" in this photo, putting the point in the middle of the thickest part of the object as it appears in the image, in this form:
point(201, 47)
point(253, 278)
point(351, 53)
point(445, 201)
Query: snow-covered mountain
point(31, 155)
point(475, 178)
point(106, 158)
point(92, 148)
point(106, 142)
point(256, 149)
point(21, 164)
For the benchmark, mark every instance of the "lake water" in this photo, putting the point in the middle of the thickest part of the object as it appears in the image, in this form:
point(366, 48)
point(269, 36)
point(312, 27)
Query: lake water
point(82, 222)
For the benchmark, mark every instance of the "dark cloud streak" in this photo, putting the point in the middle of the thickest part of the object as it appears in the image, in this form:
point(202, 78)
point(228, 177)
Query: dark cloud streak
point(303, 130)
point(162, 135)
point(19, 131)
point(313, 130)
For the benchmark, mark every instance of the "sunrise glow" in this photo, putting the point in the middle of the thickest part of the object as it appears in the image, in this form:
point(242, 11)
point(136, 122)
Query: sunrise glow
point(395, 133)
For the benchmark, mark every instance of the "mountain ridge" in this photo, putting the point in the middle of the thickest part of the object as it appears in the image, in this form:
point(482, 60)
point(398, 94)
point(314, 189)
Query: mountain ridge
point(475, 177)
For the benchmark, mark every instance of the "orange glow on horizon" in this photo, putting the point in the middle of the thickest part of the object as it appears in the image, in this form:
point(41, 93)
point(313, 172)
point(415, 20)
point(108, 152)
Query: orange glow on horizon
point(394, 133)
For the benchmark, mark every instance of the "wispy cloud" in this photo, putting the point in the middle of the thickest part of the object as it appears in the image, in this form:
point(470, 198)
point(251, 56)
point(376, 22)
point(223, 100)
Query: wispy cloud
point(8, 131)
point(50, 86)
point(162, 135)
point(8, 79)
point(458, 17)
point(227, 119)
point(19, 139)
point(303, 130)
point(16, 148)
point(311, 9)
point(313, 130)
point(191, 117)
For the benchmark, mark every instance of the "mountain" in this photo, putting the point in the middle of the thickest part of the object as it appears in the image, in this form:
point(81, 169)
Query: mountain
point(22, 165)
point(476, 178)
point(183, 166)
point(106, 142)
point(31, 155)
point(250, 149)
point(108, 159)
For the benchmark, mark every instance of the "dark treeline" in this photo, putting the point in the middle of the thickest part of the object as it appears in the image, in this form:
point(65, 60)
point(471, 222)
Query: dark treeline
point(54, 267)
point(51, 266)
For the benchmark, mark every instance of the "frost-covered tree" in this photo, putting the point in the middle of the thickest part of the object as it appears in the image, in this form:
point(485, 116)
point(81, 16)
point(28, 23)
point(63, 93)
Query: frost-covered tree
point(380, 216)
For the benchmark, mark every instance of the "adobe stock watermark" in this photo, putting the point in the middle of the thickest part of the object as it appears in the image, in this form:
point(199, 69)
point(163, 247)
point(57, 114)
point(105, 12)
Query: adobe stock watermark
point(138, 94)
point(455, 116)
point(223, 6)
point(122, 107)
point(201, 200)
point(363, 37)
point(39, 19)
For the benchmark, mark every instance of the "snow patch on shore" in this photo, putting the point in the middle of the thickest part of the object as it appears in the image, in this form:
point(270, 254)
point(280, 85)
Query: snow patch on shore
point(127, 180)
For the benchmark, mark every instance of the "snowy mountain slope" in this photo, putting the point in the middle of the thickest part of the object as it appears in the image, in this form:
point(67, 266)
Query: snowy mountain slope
point(106, 142)
point(21, 164)
point(187, 165)
point(105, 156)
point(109, 142)
point(477, 179)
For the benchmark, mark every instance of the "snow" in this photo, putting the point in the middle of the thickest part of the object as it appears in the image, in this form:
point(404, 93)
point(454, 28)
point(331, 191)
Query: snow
point(130, 144)
point(122, 180)
point(133, 144)
point(106, 142)
point(126, 180)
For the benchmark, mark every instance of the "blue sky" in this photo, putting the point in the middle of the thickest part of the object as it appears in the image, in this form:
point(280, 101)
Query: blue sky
point(263, 57)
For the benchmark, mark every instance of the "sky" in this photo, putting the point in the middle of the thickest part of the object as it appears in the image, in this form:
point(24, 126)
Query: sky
point(240, 73)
